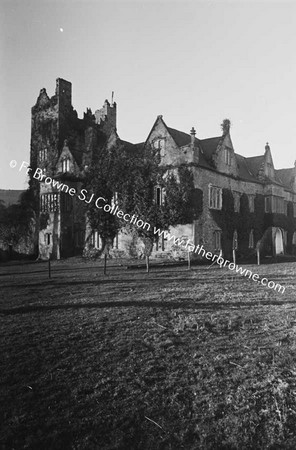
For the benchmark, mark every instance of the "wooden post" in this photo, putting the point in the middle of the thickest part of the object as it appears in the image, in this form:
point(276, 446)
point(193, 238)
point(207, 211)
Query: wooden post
point(147, 264)
point(105, 263)
point(49, 267)
point(258, 256)
point(189, 262)
point(234, 256)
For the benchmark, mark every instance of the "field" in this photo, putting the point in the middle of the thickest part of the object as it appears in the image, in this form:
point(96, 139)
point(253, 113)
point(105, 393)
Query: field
point(174, 359)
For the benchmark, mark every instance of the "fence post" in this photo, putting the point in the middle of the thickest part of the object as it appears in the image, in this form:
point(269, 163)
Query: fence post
point(258, 256)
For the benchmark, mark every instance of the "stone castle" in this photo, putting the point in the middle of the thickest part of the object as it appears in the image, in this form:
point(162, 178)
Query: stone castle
point(245, 201)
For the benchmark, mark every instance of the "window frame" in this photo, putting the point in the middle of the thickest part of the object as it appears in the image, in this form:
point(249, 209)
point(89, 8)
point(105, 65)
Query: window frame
point(251, 198)
point(236, 199)
point(66, 165)
point(215, 197)
point(251, 239)
point(227, 156)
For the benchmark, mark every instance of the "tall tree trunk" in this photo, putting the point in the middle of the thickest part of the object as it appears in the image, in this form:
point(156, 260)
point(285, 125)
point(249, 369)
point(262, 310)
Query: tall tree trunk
point(105, 263)
point(189, 262)
point(147, 264)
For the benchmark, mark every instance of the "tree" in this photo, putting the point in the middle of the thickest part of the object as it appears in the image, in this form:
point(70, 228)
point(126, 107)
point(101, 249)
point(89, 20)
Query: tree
point(139, 196)
point(104, 178)
point(17, 220)
point(134, 174)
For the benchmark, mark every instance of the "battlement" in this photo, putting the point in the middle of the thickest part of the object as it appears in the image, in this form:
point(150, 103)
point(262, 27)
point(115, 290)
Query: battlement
point(106, 116)
point(64, 94)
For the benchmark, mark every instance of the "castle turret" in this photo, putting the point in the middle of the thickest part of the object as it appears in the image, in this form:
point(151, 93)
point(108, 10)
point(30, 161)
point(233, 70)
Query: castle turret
point(64, 95)
point(106, 117)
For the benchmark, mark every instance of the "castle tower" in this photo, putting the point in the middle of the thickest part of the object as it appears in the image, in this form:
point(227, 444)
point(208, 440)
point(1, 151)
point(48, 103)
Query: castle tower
point(106, 117)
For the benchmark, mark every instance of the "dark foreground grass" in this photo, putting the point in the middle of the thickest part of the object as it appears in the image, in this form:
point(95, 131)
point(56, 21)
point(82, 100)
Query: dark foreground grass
point(175, 359)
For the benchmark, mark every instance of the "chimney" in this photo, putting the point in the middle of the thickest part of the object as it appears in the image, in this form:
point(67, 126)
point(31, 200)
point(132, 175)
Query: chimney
point(267, 148)
point(194, 146)
point(192, 134)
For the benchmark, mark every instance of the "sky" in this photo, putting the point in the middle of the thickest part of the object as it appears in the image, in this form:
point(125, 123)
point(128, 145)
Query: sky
point(194, 62)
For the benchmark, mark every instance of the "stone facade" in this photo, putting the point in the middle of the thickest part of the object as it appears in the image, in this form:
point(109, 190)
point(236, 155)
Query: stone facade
point(243, 199)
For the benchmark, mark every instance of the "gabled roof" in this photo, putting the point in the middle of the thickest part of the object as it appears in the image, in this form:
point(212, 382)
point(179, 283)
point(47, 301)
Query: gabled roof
point(244, 168)
point(285, 176)
point(180, 137)
point(254, 163)
point(132, 148)
point(209, 146)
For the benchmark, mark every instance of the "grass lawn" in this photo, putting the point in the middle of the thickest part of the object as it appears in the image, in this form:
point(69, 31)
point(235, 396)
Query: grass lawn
point(177, 359)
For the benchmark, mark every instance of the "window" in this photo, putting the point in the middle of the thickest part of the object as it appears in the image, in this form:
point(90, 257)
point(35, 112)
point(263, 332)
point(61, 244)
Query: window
point(217, 240)
point(66, 165)
point(95, 239)
point(294, 209)
point(49, 202)
point(236, 198)
point(251, 203)
point(294, 238)
point(215, 197)
point(159, 144)
point(235, 241)
point(47, 238)
point(43, 154)
point(227, 156)
point(286, 207)
point(158, 195)
point(251, 239)
point(278, 205)
point(114, 200)
point(268, 204)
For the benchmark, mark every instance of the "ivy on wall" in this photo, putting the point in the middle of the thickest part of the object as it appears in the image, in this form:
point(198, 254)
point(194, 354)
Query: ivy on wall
point(244, 221)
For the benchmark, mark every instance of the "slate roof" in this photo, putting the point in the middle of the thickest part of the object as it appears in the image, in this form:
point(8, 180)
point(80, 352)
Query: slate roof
point(209, 146)
point(180, 137)
point(254, 163)
point(285, 176)
point(10, 196)
point(245, 169)
point(248, 167)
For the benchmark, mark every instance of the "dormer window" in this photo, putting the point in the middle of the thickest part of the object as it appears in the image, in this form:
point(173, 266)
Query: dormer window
point(66, 165)
point(158, 144)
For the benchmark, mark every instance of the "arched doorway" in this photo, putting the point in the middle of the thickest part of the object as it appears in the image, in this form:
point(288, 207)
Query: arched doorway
point(279, 243)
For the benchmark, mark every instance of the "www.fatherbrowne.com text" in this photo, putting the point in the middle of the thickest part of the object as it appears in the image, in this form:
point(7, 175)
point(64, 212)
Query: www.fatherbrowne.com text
point(186, 245)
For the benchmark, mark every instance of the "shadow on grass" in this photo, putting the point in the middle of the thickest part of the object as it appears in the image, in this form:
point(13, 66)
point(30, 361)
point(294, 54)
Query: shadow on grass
point(171, 278)
point(185, 303)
